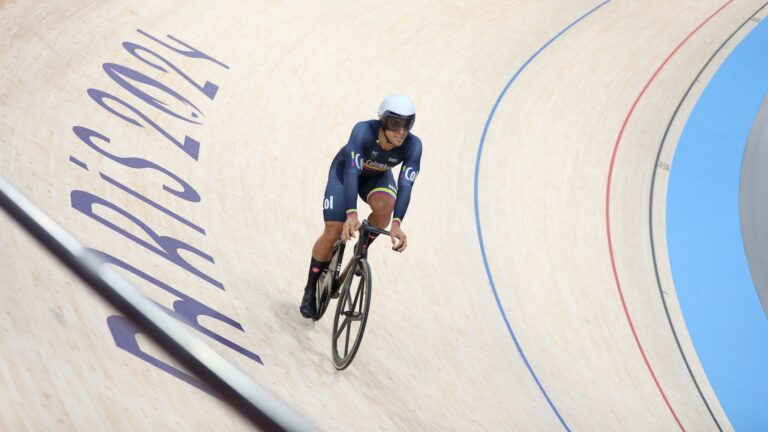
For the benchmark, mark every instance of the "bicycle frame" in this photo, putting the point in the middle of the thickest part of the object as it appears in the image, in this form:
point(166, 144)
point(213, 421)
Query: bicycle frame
point(361, 252)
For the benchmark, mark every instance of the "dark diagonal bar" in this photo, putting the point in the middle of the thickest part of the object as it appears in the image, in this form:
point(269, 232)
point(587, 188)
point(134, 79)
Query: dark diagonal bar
point(235, 387)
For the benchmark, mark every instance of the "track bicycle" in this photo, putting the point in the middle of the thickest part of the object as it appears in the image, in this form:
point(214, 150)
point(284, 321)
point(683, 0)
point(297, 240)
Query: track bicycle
point(352, 287)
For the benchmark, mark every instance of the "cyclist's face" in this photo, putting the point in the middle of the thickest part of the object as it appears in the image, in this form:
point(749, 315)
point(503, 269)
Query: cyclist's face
point(396, 129)
point(397, 136)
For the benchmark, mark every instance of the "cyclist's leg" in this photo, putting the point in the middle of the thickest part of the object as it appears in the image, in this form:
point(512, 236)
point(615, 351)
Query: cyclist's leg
point(334, 212)
point(323, 247)
point(381, 194)
point(334, 215)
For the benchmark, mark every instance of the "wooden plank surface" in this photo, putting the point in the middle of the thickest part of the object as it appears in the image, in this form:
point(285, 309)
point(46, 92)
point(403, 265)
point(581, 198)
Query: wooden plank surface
point(292, 78)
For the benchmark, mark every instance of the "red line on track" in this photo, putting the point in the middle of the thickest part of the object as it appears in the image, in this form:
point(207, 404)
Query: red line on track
point(608, 204)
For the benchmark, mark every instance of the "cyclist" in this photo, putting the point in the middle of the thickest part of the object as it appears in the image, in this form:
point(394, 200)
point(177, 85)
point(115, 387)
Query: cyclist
point(363, 167)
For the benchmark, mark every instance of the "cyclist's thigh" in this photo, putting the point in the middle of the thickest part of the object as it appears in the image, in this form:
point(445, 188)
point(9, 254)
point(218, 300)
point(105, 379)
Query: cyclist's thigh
point(383, 184)
point(334, 208)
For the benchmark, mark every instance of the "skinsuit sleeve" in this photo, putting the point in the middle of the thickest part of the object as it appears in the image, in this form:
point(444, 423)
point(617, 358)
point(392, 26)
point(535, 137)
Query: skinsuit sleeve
point(408, 173)
point(353, 165)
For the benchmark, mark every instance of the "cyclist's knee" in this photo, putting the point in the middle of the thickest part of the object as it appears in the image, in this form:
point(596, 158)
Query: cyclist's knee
point(382, 206)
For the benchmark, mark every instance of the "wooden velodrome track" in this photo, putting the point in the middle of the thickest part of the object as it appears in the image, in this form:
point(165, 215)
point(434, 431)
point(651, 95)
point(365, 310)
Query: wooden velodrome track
point(541, 124)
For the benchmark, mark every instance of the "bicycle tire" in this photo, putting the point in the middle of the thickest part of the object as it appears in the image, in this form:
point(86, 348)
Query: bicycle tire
point(354, 305)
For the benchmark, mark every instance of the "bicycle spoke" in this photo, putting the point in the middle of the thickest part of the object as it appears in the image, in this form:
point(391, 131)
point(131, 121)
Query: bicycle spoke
point(346, 323)
point(346, 344)
point(361, 293)
point(348, 302)
point(357, 294)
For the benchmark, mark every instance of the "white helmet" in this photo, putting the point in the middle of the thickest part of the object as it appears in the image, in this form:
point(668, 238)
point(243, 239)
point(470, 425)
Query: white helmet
point(397, 106)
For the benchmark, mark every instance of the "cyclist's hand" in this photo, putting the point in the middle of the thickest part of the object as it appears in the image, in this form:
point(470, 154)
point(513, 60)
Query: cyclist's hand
point(399, 239)
point(350, 227)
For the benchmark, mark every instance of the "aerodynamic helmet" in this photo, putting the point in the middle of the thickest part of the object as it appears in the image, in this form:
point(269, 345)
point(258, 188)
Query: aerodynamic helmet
point(396, 112)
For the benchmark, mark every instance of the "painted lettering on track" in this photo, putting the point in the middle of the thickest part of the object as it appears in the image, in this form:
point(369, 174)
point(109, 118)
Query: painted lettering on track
point(148, 111)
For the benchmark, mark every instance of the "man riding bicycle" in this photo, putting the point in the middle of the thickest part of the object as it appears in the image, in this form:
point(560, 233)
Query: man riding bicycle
point(363, 167)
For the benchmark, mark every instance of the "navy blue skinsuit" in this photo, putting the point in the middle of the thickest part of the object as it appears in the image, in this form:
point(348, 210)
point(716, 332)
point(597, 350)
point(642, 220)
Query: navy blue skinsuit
point(363, 167)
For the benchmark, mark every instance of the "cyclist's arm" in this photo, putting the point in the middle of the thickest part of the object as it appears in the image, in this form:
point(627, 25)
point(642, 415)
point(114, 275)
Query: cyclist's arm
point(408, 173)
point(353, 156)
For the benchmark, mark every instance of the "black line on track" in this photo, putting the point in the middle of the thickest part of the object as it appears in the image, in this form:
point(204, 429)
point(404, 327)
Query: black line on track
point(650, 209)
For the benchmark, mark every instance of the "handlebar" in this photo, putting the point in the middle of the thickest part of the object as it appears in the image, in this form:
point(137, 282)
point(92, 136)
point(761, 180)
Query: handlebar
point(366, 226)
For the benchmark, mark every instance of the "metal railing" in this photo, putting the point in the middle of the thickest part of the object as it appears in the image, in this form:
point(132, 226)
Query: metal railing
point(251, 400)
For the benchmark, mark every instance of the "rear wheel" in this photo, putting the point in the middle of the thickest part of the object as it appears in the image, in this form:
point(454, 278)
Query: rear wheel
point(325, 282)
point(351, 314)
point(322, 294)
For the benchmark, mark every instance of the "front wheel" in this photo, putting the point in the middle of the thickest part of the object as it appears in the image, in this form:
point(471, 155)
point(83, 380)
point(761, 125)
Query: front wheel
point(351, 314)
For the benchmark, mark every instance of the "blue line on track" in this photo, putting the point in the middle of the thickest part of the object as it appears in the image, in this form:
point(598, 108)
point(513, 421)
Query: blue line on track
point(477, 207)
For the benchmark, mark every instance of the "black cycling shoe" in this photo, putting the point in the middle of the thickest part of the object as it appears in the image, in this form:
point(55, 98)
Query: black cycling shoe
point(308, 308)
